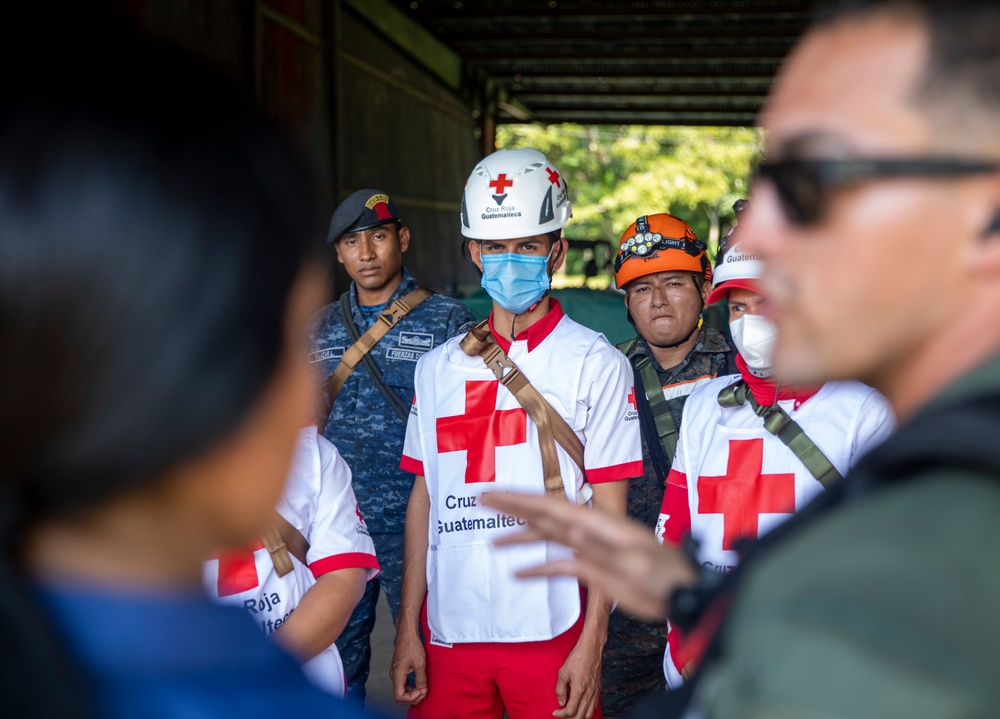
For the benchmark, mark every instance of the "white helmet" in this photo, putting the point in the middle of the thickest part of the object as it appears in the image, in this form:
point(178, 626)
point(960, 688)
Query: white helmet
point(514, 193)
point(735, 269)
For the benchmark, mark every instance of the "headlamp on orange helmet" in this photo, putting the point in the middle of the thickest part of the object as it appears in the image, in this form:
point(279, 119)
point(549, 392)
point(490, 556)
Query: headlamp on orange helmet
point(660, 243)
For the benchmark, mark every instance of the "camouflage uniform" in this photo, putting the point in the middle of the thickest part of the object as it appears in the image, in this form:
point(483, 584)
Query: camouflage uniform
point(633, 657)
point(369, 435)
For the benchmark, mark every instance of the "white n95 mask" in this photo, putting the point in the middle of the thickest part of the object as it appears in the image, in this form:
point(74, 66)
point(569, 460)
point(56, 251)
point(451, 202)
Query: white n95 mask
point(754, 337)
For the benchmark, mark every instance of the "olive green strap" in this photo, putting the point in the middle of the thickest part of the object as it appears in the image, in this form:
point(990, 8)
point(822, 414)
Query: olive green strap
point(666, 428)
point(626, 346)
point(781, 425)
point(735, 395)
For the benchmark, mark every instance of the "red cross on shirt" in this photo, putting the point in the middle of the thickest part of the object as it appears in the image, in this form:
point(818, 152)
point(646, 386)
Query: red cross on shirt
point(553, 175)
point(501, 183)
point(744, 493)
point(481, 430)
point(631, 399)
point(238, 570)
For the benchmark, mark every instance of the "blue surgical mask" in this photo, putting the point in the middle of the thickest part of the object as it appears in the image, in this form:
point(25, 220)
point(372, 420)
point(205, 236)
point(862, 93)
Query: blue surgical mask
point(514, 281)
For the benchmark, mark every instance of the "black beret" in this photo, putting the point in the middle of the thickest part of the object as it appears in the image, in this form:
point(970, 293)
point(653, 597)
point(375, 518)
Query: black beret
point(363, 210)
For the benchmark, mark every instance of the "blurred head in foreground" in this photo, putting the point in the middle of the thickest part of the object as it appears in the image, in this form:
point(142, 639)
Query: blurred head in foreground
point(156, 274)
point(877, 211)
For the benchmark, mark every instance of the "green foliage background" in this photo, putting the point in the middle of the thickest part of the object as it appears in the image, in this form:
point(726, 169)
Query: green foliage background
point(619, 173)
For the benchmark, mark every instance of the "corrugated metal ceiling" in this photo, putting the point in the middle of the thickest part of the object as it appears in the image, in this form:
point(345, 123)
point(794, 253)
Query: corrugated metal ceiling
point(707, 62)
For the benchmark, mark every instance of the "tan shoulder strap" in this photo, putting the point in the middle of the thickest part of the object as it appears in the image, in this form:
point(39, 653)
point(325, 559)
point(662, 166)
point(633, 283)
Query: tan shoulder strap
point(281, 539)
point(551, 427)
point(385, 322)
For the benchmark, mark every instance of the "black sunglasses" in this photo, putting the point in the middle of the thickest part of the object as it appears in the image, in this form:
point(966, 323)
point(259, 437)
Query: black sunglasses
point(803, 184)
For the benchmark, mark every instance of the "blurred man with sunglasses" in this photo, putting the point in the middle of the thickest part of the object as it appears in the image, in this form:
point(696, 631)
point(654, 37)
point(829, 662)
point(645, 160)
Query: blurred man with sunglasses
point(878, 217)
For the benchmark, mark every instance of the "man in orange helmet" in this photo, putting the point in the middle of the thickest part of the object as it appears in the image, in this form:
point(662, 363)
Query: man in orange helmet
point(666, 274)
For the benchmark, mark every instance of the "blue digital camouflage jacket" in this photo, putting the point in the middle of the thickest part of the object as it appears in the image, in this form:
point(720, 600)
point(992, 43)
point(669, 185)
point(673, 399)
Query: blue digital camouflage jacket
point(363, 425)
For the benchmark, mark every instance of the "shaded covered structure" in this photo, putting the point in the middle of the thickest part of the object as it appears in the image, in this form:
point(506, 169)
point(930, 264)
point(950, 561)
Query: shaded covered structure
point(594, 62)
point(405, 95)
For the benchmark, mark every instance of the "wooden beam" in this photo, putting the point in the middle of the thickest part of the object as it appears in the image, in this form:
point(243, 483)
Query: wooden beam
point(610, 106)
point(719, 119)
point(411, 37)
point(690, 71)
point(428, 12)
point(461, 38)
point(625, 53)
point(599, 93)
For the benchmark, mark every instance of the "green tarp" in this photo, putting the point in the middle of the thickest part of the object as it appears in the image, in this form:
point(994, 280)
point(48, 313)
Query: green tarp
point(600, 310)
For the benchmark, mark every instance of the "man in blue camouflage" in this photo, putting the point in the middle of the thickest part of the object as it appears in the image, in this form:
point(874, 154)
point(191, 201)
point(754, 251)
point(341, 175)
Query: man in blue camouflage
point(666, 275)
point(367, 422)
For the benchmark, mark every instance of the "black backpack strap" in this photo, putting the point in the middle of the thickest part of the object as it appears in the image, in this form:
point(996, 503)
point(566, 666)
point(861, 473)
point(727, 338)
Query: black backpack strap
point(657, 423)
point(731, 367)
point(661, 453)
point(663, 420)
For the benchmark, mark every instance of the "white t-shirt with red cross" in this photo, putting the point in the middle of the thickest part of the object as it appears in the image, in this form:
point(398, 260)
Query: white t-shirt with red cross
point(733, 479)
point(319, 502)
point(468, 435)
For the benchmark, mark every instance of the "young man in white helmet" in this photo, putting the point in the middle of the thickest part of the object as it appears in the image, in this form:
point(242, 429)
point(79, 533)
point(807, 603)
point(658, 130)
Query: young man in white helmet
point(752, 452)
point(492, 643)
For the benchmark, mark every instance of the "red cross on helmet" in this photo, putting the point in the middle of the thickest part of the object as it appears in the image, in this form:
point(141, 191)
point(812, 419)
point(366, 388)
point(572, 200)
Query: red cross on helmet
point(512, 194)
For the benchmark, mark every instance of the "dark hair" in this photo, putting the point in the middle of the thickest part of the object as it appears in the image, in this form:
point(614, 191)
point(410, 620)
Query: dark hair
point(151, 229)
point(963, 70)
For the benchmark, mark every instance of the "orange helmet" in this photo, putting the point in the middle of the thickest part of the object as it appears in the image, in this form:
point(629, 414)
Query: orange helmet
point(660, 243)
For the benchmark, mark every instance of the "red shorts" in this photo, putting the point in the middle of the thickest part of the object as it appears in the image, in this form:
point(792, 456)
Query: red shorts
point(484, 679)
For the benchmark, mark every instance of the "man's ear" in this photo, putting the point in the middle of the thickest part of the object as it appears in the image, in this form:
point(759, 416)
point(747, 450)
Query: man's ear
point(476, 253)
point(560, 253)
point(706, 290)
point(404, 239)
point(336, 248)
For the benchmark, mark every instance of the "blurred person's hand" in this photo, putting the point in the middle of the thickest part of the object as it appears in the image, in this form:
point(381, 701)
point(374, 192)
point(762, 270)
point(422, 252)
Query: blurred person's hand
point(613, 554)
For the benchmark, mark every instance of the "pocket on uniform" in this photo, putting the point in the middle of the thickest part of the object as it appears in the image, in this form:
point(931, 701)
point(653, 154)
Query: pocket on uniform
point(400, 360)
